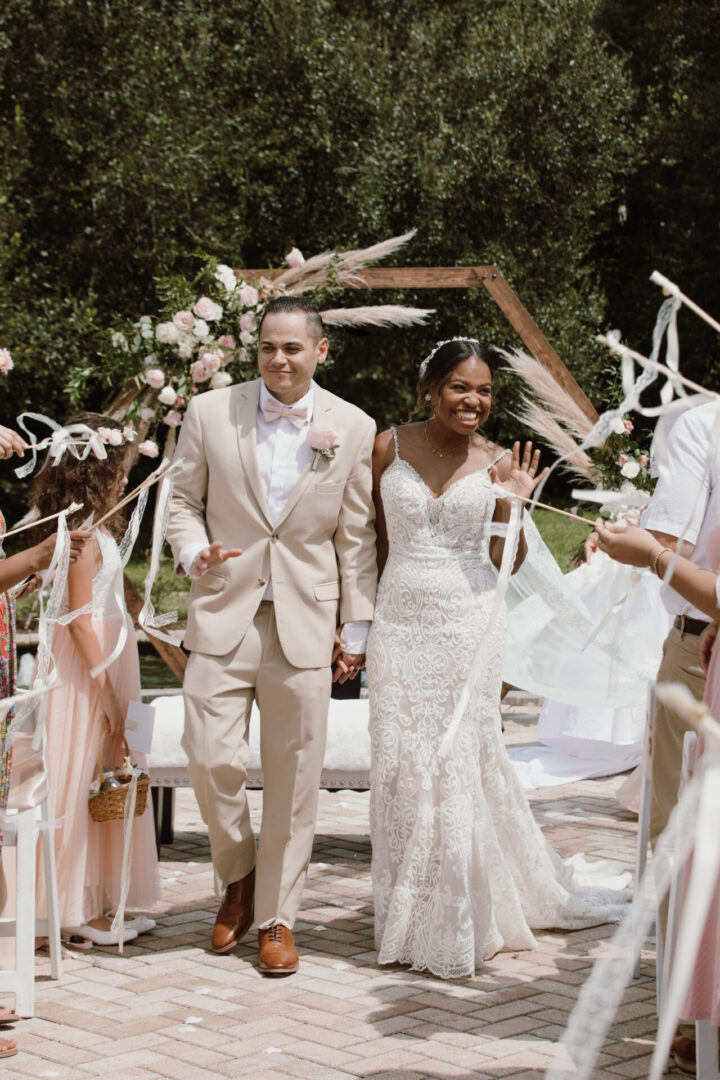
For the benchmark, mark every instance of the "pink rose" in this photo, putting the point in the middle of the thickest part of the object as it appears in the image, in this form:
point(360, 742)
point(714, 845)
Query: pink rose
point(622, 459)
point(184, 320)
point(321, 439)
point(643, 460)
point(295, 258)
point(212, 359)
point(148, 448)
point(249, 296)
point(155, 377)
point(226, 342)
point(628, 426)
point(173, 418)
point(248, 321)
point(205, 308)
point(185, 350)
point(6, 362)
point(199, 372)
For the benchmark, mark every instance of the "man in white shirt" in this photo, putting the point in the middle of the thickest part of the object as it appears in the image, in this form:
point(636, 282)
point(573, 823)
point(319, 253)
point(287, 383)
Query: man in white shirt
point(272, 516)
point(683, 511)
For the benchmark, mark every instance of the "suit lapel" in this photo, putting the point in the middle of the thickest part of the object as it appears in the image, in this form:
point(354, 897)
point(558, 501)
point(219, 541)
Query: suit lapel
point(321, 418)
point(246, 409)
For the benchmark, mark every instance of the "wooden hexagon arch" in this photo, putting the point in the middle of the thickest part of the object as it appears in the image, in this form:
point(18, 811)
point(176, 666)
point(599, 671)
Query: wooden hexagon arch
point(423, 277)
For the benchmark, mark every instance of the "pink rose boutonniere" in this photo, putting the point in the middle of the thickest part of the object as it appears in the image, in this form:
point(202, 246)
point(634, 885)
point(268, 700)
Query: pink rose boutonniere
point(323, 443)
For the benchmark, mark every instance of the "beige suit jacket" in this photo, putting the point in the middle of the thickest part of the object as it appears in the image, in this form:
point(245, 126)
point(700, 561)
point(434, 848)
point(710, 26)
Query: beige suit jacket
point(321, 552)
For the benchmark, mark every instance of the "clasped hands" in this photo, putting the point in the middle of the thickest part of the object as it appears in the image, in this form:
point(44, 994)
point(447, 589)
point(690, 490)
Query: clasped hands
point(347, 665)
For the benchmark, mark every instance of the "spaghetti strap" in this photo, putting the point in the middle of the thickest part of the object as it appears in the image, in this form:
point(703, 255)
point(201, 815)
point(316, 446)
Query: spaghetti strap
point(501, 455)
point(395, 440)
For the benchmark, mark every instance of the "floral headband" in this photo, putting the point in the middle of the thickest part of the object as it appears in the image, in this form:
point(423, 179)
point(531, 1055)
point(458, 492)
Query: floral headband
point(424, 365)
point(79, 439)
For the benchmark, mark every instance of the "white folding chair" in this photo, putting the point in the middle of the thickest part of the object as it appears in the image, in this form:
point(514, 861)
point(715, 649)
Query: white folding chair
point(22, 829)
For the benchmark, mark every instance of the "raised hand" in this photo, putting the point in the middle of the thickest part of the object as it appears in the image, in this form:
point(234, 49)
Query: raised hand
point(214, 555)
point(524, 476)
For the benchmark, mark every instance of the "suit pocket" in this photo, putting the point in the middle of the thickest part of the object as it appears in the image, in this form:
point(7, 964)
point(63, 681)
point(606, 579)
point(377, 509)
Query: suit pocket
point(329, 590)
point(329, 487)
point(211, 581)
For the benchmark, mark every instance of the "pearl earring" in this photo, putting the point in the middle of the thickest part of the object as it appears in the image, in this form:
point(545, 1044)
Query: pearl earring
point(427, 397)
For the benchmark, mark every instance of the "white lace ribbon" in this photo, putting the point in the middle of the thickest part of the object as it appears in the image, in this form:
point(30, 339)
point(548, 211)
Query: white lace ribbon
point(118, 923)
point(149, 621)
point(511, 532)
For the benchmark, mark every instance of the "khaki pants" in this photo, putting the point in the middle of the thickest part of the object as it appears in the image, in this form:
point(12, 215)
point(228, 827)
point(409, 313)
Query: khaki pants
point(293, 704)
point(679, 664)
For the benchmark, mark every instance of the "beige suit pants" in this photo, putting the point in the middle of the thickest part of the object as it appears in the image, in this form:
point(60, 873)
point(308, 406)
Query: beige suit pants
point(293, 704)
point(679, 664)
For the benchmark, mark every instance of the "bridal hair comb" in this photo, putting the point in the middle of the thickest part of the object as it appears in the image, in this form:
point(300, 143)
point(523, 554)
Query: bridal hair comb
point(424, 364)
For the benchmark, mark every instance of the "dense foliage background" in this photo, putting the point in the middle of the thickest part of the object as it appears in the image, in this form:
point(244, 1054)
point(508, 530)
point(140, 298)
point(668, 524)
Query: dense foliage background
point(572, 143)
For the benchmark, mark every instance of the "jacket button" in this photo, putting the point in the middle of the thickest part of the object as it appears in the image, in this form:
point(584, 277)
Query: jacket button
point(262, 581)
point(274, 538)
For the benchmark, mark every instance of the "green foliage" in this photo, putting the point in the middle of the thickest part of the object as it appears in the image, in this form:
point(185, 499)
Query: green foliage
point(134, 135)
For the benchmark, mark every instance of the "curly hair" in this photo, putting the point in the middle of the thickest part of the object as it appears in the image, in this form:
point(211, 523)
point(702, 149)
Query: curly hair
point(91, 482)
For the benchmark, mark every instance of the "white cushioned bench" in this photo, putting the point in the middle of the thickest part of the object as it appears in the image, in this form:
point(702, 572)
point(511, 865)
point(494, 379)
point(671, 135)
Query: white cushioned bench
point(346, 763)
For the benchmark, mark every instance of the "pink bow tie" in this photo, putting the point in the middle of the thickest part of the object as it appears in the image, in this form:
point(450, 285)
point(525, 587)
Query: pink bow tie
point(296, 414)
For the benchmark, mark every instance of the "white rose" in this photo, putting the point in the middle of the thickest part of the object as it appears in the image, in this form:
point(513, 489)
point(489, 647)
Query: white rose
point(220, 379)
point(147, 414)
point(167, 333)
point(155, 377)
point(115, 437)
point(248, 321)
point(618, 426)
point(185, 350)
point(630, 469)
point(247, 337)
point(205, 308)
point(119, 341)
point(150, 360)
point(167, 395)
point(6, 361)
point(226, 276)
point(200, 329)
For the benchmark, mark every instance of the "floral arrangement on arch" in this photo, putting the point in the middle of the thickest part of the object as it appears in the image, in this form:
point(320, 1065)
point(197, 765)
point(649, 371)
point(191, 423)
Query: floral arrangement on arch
point(205, 338)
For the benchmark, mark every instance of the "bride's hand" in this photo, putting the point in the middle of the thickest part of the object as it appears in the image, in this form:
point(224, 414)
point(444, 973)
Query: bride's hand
point(524, 476)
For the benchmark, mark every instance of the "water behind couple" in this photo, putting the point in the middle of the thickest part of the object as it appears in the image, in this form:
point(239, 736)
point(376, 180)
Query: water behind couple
point(285, 508)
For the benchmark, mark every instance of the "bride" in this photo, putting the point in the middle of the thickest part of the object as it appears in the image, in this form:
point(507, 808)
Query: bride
point(460, 868)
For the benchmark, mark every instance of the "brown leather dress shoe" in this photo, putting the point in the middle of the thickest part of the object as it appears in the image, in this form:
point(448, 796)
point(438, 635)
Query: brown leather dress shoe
point(235, 916)
point(278, 955)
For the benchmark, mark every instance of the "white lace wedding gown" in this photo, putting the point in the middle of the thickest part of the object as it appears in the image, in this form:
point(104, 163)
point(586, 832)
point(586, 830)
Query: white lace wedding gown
point(460, 869)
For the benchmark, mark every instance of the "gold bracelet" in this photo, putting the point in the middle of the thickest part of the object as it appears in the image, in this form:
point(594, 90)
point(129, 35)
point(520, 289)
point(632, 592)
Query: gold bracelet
point(658, 553)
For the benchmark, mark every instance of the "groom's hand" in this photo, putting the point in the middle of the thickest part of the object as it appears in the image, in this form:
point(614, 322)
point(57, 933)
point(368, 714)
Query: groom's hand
point(213, 555)
point(347, 665)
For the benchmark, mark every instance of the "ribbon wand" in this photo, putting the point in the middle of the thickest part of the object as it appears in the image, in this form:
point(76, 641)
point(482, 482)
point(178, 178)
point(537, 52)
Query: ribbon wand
point(162, 470)
point(71, 509)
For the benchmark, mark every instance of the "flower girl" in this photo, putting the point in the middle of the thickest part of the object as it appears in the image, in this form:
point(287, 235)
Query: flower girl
point(82, 709)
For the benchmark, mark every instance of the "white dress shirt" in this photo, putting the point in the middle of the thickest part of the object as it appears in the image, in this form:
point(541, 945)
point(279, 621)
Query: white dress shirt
point(687, 505)
point(283, 454)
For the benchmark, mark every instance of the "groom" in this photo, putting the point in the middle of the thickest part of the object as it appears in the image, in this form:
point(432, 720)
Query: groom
point(280, 542)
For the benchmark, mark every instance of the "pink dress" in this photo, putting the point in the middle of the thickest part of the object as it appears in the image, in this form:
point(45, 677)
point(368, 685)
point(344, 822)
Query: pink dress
point(89, 854)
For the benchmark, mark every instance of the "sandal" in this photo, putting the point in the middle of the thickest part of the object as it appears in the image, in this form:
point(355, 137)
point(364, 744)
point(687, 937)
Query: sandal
point(9, 1016)
point(8, 1048)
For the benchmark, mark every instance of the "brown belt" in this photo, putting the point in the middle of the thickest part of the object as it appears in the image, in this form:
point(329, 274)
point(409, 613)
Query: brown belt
point(686, 625)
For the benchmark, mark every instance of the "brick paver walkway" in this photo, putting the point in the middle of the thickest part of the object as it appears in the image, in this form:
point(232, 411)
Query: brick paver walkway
point(169, 1008)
